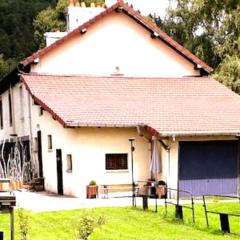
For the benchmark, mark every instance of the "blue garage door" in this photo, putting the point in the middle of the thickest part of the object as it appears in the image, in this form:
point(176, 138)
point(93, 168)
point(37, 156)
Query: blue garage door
point(208, 167)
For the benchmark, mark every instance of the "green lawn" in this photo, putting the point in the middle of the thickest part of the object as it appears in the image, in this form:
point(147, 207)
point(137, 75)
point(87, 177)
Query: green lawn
point(127, 223)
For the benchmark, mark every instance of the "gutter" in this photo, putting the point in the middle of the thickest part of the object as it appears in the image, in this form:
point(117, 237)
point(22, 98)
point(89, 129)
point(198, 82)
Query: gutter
point(207, 133)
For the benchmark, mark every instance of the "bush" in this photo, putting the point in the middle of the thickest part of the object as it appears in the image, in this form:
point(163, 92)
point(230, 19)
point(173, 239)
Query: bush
point(87, 224)
point(92, 183)
point(24, 225)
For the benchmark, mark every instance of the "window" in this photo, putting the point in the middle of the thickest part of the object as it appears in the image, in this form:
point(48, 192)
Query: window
point(117, 161)
point(10, 108)
point(49, 142)
point(69, 162)
point(1, 114)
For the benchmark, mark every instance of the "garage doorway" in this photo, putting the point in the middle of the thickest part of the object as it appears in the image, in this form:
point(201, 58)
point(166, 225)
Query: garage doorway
point(208, 167)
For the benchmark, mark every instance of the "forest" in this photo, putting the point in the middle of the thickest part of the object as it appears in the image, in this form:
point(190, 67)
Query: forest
point(209, 29)
point(16, 30)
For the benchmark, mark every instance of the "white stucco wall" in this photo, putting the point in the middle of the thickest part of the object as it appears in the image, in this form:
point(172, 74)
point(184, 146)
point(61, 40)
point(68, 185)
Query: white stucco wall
point(20, 115)
point(7, 129)
point(88, 147)
point(116, 41)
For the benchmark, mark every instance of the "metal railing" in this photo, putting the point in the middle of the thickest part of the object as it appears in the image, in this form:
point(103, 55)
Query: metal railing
point(223, 216)
point(176, 202)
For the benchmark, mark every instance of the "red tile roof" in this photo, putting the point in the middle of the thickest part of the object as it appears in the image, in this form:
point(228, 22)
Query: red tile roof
point(125, 8)
point(165, 106)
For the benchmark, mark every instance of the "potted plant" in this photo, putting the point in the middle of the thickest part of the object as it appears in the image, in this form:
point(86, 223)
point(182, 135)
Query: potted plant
point(161, 189)
point(92, 189)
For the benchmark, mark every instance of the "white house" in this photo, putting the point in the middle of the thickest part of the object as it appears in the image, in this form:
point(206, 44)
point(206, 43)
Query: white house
point(75, 104)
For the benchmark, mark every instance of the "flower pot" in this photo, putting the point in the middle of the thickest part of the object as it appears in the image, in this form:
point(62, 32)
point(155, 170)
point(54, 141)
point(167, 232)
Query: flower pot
point(161, 191)
point(4, 185)
point(92, 191)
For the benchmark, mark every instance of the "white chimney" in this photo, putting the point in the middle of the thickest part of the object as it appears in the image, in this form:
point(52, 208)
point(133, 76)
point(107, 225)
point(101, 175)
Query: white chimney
point(52, 37)
point(109, 3)
point(77, 15)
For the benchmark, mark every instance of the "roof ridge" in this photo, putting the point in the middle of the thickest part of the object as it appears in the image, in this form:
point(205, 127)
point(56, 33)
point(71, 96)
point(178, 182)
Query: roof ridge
point(111, 77)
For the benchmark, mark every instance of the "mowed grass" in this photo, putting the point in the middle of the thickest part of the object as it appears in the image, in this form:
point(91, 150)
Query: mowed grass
point(128, 224)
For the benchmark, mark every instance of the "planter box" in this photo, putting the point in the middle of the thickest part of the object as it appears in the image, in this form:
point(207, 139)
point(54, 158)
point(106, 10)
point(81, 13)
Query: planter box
point(92, 191)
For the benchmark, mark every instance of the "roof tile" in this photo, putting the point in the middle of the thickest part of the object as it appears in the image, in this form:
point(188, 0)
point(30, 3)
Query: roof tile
point(170, 106)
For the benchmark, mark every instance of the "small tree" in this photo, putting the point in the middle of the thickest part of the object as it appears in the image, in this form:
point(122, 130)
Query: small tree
point(23, 224)
point(86, 225)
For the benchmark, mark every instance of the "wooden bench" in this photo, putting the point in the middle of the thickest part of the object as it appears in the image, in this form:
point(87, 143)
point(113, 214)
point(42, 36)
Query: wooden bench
point(105, 189)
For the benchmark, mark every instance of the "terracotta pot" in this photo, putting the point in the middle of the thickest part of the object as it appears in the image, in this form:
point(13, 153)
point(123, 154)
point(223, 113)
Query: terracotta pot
point(13, 185)
point(92, 191)
point(161, 191)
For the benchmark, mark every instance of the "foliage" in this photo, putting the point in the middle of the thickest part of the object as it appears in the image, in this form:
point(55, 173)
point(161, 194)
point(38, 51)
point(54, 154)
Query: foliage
point(228, 72)
point(24, 224)
point(87, 223)
point(16, 31)
point(209, 29)
point(6, 66)
point(50, 20)
point(92, 183)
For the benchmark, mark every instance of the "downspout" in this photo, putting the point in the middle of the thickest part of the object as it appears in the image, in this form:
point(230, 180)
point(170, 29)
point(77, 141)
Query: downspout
point(167, 148)
point(33, 162)
point(13, 110)
point(140, 133)
point(178, 174)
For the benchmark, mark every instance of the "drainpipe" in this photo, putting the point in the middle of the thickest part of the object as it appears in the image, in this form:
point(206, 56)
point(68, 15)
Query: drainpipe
point(168, 149)
point(34, 163)
point(13, 110)
point(140, 133)
point(178, 174)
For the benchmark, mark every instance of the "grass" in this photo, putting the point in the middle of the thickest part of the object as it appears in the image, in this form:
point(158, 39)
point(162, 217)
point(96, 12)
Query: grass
point(129, 224)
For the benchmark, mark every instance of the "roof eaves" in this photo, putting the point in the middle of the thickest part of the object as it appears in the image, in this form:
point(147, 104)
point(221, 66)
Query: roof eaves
point(76, 124)
point(42, 104)
point(201, 133)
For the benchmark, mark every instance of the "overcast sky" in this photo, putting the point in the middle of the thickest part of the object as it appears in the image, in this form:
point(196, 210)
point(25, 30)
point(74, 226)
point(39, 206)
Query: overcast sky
point(150, 6)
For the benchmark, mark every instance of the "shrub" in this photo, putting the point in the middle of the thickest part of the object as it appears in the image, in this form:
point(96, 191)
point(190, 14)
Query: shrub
point(92, 183)
point(24, 225)
point(87, 224)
